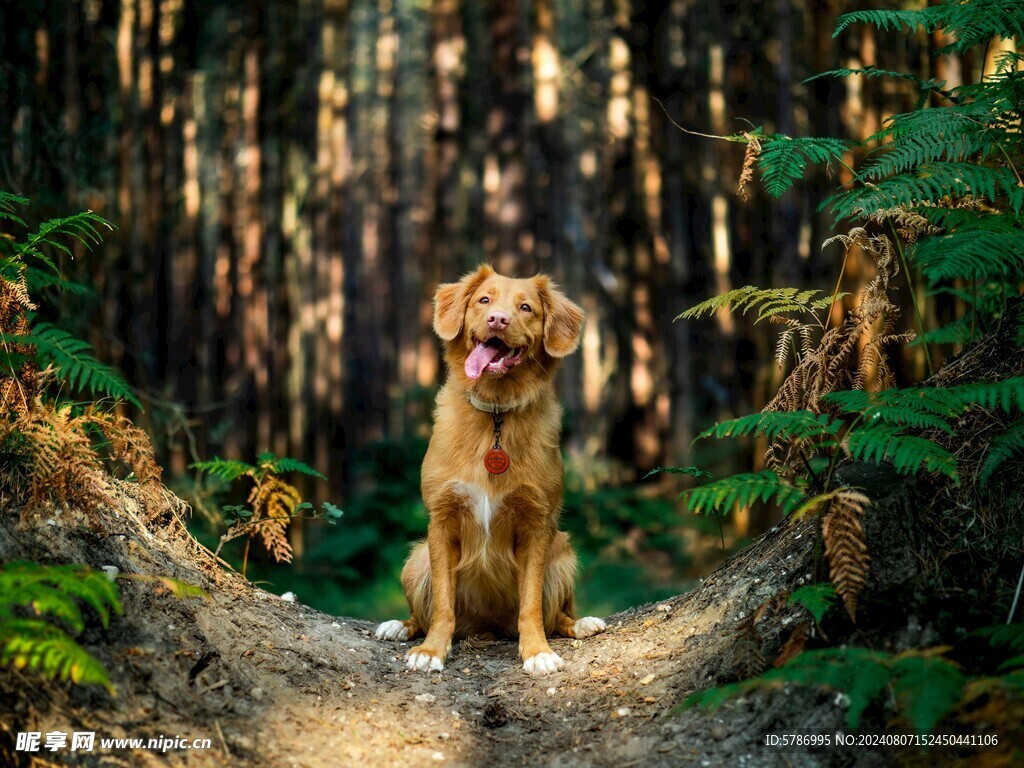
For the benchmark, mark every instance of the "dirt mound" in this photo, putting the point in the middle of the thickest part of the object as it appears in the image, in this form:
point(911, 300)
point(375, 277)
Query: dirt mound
point(273, 683)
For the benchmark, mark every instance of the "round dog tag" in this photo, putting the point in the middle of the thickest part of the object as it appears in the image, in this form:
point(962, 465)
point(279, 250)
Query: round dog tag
point(496, 461)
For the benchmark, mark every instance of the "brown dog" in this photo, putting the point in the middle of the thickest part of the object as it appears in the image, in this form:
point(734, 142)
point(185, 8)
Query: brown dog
point(494, 559)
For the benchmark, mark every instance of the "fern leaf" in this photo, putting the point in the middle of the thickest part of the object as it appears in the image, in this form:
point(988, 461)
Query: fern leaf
point(885, 20)
point(76, 362)
point(775, 425)
point(48, 651)
point(783, 160)
point(845, 545)
point(980, 254)
point(696, 472)
point(927, 687)
point(909, 454)
point(8, 205)
point(1002, 447)
point(282, 465)
point(818, 599)
point(768, 302)
point(225, 469)
point(929, 183)
point(743, 490)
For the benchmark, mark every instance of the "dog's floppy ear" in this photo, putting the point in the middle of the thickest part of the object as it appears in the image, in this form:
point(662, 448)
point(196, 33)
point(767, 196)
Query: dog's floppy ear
point(563, 320)
point(450, 302)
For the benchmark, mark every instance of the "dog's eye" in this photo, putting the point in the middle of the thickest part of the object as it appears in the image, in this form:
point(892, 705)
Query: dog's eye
point(485, 300)
point(526, 308)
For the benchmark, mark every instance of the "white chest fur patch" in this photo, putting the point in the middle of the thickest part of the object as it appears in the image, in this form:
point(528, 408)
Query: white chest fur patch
point(483, 506)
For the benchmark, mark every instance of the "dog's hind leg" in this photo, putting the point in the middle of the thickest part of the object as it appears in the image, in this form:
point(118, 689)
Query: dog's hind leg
point(559, 597)
point(416, 585)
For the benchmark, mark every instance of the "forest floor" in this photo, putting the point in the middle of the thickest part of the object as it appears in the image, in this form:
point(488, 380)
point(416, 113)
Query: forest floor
point(275, 683)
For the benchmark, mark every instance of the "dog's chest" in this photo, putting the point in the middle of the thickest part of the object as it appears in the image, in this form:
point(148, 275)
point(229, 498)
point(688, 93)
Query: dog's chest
point(480, 502)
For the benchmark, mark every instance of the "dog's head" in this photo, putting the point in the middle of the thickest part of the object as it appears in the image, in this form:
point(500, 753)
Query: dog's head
point(498, 328)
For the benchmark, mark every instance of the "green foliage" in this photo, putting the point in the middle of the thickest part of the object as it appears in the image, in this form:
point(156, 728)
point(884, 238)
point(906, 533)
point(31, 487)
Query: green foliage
point(776, 425)
point(926, 685)
point(52, 594)
point(945, 183)
point(909, 454)
point(26, 264)
point(75, 360)
point(743, 490)
point(818, 599)
point(273, 503)
point(768, 302)
point(695, 472)
point(784, 159)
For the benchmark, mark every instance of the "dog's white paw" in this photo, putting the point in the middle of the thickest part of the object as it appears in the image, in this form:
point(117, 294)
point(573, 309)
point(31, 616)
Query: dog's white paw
point(424, 661)
point(543, 664)
point(587, 626)
point(392, 630)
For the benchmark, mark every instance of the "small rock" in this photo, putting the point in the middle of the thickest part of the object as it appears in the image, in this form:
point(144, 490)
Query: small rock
point(437, 756)
point(495, 715)
point(444, 736)
point(336, 625)
point(111, 571)
point(664, 608)
point(256, 693)
point(426, 698)
point(647, 680)
point(622, 712)
point(552, 691)
point(171, 627)
point(288, 597)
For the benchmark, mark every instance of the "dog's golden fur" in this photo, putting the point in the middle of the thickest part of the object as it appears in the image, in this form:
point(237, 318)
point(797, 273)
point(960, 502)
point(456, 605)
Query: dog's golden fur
point(494, 560)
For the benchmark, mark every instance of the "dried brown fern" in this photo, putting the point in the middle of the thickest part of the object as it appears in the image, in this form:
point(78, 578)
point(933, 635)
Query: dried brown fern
point(845, 545)
point(62, 464)
point(749, 161)
point(836, 364)
point(273, 504)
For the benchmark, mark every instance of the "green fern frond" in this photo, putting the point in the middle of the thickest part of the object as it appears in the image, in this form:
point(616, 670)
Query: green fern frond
point(225, 469)
point(885, 20)
point(52, 590)
point(818, 599)
point(957, 332)
point(40, 279)
point(283, 464)
point(743, 490)
point(76, 362)
point(922, 407)
point(927, 687)
point(48, 651)
point(1004, 636)
point(874, 72)
point(768, 302)
point(978, 253)
point(931, 182)
point(1002, 447)
point(909, 454)
point(695, 472)
point(9, 205)
point(775, 425)
point(783, 159)
point(914, 139)
point(83, 227)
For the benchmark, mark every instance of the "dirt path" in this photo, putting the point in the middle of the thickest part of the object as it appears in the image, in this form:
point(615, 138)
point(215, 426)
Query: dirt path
point(274, 683)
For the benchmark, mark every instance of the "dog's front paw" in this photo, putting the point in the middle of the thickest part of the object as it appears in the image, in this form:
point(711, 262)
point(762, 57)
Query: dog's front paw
point(424, 658)
point(587, 626)
point(393, 630)
point(543, 663)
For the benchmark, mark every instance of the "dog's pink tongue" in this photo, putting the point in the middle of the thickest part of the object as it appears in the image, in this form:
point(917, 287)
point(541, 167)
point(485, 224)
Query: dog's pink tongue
point(479, 359)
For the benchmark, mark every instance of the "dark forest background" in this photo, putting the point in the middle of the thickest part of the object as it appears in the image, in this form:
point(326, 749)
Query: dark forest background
point(290, 180)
